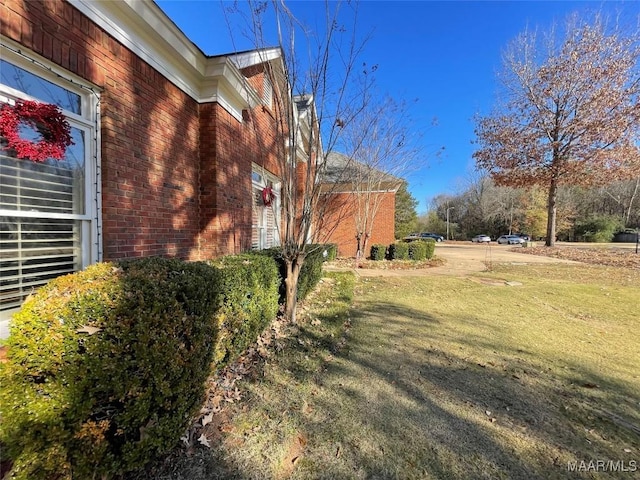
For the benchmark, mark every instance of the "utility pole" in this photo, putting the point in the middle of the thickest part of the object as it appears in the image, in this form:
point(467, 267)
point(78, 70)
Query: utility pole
point(448, 208)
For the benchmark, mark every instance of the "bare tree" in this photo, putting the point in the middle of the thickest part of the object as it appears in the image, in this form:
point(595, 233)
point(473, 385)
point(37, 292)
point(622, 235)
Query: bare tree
point(624, 194)
point(380, 148)
point(315, 97)
point(571, 114)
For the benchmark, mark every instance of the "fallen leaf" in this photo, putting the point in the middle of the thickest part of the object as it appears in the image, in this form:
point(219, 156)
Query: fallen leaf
point(88, 330)
point(204, 441)
point(207, 419)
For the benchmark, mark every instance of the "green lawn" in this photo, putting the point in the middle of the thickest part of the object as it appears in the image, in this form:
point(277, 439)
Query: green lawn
point(439, 377)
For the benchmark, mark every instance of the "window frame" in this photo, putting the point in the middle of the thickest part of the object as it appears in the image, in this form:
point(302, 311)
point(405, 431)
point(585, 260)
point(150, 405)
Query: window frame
point(260, 179)
point(88, 122)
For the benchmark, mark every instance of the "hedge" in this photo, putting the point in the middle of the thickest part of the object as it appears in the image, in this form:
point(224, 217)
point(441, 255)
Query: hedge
point(106, 367)
point(311, 271)
point(378, 251)
point(417, 250)
point(249, 285)
point(430, 248)
point(398, 251)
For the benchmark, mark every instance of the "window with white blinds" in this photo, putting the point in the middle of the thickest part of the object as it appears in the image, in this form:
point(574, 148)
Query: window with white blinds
point(48, 210)
point(264, 231)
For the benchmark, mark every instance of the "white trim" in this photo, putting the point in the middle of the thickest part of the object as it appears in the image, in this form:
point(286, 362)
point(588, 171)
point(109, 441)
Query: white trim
point(142, 27)
point(359, 191)
point(255, 57)
point(87, 121)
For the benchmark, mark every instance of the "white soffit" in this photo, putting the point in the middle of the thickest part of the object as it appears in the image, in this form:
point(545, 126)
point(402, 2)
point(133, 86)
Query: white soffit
point(142, 27)
point(255, 57)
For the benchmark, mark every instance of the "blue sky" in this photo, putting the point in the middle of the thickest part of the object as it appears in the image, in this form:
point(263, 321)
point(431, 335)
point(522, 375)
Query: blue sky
point(444, 53)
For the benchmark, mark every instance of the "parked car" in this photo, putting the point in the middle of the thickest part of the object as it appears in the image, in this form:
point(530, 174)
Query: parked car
point(510, 239)
point(411, 237)
point(481, 239)
point(523, 236)
point(435, 236)
point(423, 236)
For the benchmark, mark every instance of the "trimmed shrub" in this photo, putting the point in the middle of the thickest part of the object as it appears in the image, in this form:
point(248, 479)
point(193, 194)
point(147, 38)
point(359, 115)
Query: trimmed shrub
point(430, 248)
point(378, 251)
point(310, 273)
point(106, 367)
point(249, 285)
point(399, 251)
point(332, 251)
point(418, 250)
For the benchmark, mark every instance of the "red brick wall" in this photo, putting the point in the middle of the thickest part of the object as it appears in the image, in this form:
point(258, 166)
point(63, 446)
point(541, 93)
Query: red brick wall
point(149, 130)
point(176, 176)
point(340, 225)
point(228, 149)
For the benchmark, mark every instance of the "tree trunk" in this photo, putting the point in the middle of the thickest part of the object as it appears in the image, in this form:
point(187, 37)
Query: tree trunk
point(358, 249)
point(551, 213)
point(363, 248)
point(291, 286)
point(627, 216)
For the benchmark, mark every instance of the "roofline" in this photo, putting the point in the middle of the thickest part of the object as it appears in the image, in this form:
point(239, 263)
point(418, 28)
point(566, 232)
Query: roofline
point(142, 27)
point(249, 58)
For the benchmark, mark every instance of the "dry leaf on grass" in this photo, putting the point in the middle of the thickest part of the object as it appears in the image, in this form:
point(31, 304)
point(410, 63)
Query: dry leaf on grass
point(204, 441)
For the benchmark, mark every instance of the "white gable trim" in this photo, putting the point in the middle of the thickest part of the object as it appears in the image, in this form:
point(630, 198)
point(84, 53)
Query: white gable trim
point(142, 27)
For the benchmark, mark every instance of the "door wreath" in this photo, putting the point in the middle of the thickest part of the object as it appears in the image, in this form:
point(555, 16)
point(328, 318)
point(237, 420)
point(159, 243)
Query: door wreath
point(268, 196)
point(46, 119)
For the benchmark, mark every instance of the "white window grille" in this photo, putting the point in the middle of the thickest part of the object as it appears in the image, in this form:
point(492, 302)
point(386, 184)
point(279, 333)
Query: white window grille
point(48, 211)
point(266, 219)
point(267, 92)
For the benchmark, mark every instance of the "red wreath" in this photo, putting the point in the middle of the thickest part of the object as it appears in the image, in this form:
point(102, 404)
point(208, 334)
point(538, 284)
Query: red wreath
point(46, 119)
point(268, 196)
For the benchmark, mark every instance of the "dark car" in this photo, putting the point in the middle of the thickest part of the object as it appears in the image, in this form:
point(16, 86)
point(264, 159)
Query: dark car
point(435, 236)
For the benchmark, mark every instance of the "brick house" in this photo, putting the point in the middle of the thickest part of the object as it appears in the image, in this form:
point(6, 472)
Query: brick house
point(360, 198)
point(172, 147)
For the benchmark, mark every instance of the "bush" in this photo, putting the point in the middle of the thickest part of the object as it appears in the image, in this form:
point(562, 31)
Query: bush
point(599, 229)
point(399, 251)
point(378, 251)
point(106, 367)
point(418, 250)
point(332, 251)
point(249, 285)
point(310, 273)
point(430, 248)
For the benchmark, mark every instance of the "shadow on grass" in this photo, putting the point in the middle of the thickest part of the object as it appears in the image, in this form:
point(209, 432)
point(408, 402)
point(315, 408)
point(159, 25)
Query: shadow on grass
point(405, 398)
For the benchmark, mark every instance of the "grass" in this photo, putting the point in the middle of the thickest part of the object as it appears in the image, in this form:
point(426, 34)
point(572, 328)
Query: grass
point(443, 378)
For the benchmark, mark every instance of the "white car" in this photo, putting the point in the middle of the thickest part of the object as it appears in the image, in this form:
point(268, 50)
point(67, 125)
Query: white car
point(481, 239)
point(510, 239)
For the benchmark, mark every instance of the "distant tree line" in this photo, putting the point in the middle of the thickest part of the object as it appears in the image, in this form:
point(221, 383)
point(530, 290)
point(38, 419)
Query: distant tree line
point(583, 213)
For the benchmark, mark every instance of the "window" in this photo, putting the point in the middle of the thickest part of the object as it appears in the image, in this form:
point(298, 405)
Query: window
point(266, 219)
point(48, 211)
point(267, 91)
